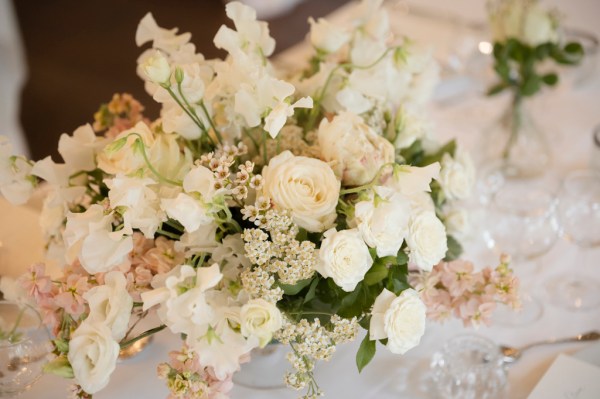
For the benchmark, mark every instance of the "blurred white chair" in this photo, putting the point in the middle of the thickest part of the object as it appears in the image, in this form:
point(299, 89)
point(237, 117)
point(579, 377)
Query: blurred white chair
point(12, 76)
point(267, 9)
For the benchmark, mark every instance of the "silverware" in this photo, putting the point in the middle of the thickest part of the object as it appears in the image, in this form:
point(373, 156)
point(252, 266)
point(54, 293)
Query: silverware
point(512, 354)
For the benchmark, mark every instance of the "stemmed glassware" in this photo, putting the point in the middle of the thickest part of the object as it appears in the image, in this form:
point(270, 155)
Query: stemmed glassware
point(521, 221)
point(579, 214)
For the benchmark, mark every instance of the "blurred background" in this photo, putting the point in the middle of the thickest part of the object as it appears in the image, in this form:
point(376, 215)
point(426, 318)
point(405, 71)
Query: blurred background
point(66, 57)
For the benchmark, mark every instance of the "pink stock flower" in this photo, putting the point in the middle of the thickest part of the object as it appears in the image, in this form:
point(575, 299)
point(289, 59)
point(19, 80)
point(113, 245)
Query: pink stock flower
point(71, 297)
point(36, 283)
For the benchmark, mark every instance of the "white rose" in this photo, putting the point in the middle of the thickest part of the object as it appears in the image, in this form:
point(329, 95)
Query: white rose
point(306, 186)
point(458, 223)
point(426, 240)
point(400, 319)
point(261, 319)
point(356, 151)
point(383, 221)
point(190, 212)
point(325, 36)
point(540, 26)
point(93, 355)
point(110, 304)
point(457, 176)
point(344, 257)
point(156, 68)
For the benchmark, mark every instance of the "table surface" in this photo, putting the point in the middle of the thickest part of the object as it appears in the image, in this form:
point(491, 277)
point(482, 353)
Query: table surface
point(567, 114)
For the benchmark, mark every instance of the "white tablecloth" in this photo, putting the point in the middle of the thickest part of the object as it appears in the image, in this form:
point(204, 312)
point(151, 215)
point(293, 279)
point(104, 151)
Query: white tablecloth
point(567, 114)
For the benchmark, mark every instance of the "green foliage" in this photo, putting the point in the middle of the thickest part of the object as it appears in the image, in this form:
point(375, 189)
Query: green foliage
point(59, 366)
point(296, 288)
point(365, 353)
point(515, 64)
point(454, 249)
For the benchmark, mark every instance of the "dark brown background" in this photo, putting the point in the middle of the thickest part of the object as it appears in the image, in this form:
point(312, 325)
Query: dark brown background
point(81, 52)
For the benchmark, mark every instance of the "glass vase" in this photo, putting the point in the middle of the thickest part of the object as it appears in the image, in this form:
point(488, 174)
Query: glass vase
point(266, 368)
point(516, 143)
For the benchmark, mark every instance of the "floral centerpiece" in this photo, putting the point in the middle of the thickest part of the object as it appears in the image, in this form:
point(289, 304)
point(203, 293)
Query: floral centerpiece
point(256, 209)
point(528, 39)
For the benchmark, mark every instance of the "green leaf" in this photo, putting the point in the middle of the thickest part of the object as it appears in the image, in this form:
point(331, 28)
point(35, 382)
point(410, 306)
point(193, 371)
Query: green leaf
point(449, 148)
point(454, 249)
point(550, 79)
point(574, 48)
point(497, 88)
point(503, 70)
point(296, 288)
point(543, 50)
point(402, 258)
point(365, 322)
point(365, 353)
point(398, 279)
point(302, 234)
point(531, 86)
point(312, 290)
point(60, 367)
point(376, 273)
point(61, 345)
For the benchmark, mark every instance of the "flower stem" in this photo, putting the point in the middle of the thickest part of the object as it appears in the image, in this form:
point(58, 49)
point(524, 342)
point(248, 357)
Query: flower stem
point(155, 172)
point(142, 335)
point(370, 184)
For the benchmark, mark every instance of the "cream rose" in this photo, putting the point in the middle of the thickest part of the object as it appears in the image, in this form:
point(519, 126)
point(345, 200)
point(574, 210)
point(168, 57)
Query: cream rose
point(426, 240)
point(400, 319)
point(457, 176)
point(93, 355)
point(383, 220)
point(524, 20)
point(260, 319)
point(156, 68)
point(110, 304)
point(354, 149)
point(306, 186)
point(344, 257)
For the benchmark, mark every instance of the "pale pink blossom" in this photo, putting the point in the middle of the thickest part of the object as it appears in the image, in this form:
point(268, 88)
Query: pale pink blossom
point(35, 282)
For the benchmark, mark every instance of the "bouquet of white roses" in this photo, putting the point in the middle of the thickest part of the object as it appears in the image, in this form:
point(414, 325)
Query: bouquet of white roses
point(255, 209)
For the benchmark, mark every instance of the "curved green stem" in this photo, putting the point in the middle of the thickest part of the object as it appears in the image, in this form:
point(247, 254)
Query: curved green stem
point(211, 122)
point(370, 184)
point(160, 177)
point(145, 334)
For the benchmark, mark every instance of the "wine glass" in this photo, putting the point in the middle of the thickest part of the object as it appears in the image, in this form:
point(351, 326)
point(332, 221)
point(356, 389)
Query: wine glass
point(579, 214)
point(522, 222)
point(24, 345)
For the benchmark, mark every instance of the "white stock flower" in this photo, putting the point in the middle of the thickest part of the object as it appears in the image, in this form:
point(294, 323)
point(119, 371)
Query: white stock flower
point(93, 355)
point(326, 36)
point(190, 212)
point(16, 184)
point(110, 304)
point(157, 68)
point(355, 150)
point(306, 186)
point(260, 319)
point(383, 220)
point(426, 240)
point(344, 257)
point(88, 236)
point(400, 319)
point(278, 116)
point(457, 176)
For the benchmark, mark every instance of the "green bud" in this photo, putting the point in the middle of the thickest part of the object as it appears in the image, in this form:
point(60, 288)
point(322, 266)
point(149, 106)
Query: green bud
point(116, 145)
point(61, 345)
point(60, 367)
point(178, 75)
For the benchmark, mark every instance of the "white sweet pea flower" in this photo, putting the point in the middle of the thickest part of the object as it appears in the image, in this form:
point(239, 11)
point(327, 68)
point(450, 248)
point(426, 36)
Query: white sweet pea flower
point(457, 223)
point(313, 85)
point(409, 180)
point(79, 150)
point(88, 236)
point(157, 68)
point(278, 116)
point(411, 125)
point(110, 304)
point(93, 355)
point(426, 240)
point(457, 176)
point(176, 120)
point(187, 210)
point(164, 39)
point(383, 220)
point(57, 176)
point(137, 202)
point(201, 180)
point(260, 319)
point(400, 319)
point(326, 36)
point(251, 36)
point(119, 156)
point(372, 18)
point(355, 150)
point(16, 183)
point(344, 257)
point(306, 186)
point(253, 99)
point(201, 240)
